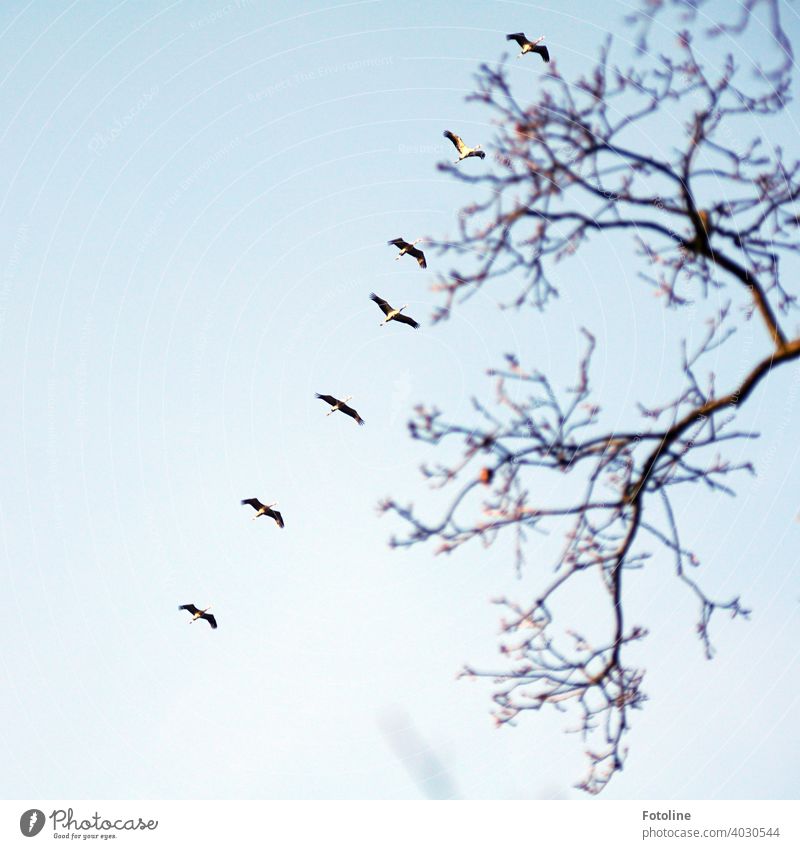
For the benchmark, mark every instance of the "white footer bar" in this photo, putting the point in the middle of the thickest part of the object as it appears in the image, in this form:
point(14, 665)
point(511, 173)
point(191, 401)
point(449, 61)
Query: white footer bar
point(401, 825)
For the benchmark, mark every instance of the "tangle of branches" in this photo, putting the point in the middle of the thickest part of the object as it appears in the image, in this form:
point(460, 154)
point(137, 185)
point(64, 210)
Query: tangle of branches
point(716, 211)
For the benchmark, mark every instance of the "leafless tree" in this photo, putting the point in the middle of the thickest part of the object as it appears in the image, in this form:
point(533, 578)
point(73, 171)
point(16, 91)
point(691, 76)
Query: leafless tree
point(713, 211)
point(693, 12)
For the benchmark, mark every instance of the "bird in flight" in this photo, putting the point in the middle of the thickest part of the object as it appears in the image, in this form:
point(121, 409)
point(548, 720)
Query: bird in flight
point(464, 152)
point(393, 314)
point(341, 406)
point(265, 510)
point(529, 46)
point(199, 614)
point(408, 248)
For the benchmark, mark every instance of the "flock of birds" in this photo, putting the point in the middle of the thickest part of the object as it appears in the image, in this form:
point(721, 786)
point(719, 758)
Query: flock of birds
point(391, 313)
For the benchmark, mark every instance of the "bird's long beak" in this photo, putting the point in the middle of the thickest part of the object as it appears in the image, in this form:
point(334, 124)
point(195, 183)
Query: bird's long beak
point(274, 504)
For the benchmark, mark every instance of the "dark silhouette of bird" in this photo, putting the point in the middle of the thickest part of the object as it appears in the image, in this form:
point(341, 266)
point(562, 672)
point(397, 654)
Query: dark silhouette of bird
point(265, 510)
point(529, 46)
point(393, 314)
point(199, 614)
point(408, 248)
point(464, 151)
point(486, 475)
point(341, 406)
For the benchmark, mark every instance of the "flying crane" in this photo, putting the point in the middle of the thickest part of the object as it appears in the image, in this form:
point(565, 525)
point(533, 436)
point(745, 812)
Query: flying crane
point(408, 248)
point(341, 406)
point(529, 46)
point(464, 151)
point(265, 510)
point(199, 614)
point(393, 314)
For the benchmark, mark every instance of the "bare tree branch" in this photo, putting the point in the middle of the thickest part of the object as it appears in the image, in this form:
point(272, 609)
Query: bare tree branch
point(645, 18)
point(711, 212)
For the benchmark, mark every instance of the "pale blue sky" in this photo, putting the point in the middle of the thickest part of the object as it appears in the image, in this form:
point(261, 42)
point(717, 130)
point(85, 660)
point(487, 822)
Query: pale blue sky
point(194, 205)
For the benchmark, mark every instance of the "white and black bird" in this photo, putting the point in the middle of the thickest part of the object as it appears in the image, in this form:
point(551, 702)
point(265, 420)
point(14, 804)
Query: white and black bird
point(341, 406)
point(529, 46)
point(199, 614)
point(393, 314)
point(408, 248)
point(264, 510)
point(464, 151)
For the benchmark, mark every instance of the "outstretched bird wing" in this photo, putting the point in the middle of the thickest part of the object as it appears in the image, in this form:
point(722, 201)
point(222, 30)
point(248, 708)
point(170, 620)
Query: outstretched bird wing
point(406, 319)
point(190, 607)
point(419, 256)
point(253, 502)
point(399, 242)
point(274, 514)
point(210, 619)
point(457, 141)
point(351, 412)
point(542, 51)
point(384, 305)
point(519, 37)
point(328, 399)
